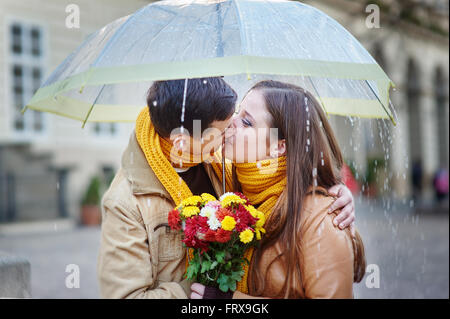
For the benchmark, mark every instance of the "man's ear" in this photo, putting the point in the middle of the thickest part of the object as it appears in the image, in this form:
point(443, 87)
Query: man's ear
point(278, 149)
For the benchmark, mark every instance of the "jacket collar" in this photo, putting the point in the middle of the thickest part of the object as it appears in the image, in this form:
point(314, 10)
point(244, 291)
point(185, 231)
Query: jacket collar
point(137, 170)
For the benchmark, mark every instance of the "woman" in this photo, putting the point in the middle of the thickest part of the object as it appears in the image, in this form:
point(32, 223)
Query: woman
point(302, 255)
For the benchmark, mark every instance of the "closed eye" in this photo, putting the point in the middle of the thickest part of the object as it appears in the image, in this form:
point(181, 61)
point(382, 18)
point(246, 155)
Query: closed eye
point(246, 122)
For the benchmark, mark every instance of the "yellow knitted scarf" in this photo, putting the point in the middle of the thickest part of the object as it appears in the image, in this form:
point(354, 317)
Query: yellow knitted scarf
point(158, 154)
point(262, 183)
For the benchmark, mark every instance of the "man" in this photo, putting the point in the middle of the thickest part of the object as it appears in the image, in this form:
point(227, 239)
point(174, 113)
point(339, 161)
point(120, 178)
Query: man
point(140, 257)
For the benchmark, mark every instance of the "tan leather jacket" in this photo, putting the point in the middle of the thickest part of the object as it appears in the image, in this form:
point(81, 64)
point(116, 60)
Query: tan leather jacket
point(139, 256)
point(327, 262)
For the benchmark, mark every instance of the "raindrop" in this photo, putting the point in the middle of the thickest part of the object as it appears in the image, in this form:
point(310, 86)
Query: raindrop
point(308, 141)
point(307, 128)
point(57, 186)
point(54, 227)
point(307, 148)
point(351, 120)
point(320, 124)
point(204, 81)
point(181, 163)
point(183, 108)
point(322, 162)
point(148, 202)
point(307, 122)
point(155, 103)
point(258, 164)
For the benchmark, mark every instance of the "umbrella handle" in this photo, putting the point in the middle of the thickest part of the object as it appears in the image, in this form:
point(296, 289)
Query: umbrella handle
point(223, 165)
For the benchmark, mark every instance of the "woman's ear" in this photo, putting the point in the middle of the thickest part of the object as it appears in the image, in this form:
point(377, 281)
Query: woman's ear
point(278, 149)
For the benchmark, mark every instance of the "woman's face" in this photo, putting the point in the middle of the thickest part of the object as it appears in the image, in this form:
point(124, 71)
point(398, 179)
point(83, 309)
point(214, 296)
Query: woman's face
point(250, 138)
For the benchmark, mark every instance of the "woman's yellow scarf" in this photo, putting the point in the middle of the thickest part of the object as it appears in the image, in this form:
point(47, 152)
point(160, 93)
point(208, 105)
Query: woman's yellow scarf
point(262, 183)
point(158, 154)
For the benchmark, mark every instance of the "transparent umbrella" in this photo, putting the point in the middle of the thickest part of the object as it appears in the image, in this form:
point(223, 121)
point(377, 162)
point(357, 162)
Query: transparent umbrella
point(106, 77)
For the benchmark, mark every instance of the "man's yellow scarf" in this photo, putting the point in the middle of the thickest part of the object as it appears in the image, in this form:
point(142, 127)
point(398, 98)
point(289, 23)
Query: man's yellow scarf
point(158, 154)
point(262, 183)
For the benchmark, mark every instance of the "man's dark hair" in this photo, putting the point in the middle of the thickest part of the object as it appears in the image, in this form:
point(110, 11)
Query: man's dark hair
point(207, 99)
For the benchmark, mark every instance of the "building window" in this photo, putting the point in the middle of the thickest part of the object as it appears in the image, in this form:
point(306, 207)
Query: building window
point(26, 60)
point(105, 129)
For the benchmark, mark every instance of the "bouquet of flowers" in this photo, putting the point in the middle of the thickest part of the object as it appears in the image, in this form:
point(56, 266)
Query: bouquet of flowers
point(219, 232)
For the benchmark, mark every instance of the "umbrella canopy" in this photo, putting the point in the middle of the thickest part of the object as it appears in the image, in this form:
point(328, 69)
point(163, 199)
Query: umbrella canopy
point(106, 77)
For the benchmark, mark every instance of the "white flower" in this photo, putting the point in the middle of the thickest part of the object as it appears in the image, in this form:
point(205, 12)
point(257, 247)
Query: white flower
point(225, 195)
point(207, 211)
point(214, 223)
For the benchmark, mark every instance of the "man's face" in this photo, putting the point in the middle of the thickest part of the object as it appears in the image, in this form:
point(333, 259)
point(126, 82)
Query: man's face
point(212, 137)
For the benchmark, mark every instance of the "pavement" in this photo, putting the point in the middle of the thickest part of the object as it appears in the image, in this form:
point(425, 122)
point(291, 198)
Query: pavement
point(407, 254)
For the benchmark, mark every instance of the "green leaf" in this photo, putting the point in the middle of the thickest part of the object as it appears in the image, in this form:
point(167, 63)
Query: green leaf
point(191, 272)
point(232, 285)
point(223, 282)
point(206, 265)
point(237, 275)
point(220, 256)
point(214, 264)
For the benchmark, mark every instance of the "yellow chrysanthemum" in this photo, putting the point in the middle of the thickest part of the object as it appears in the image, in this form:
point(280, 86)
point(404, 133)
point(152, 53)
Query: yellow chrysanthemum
point(261, 219)
point(191, 201)
point(190, 211)
point(246, 236)
point(252, 210)
point(258, 232)
point(232, 199)
point(228, 223)
point(207, 197)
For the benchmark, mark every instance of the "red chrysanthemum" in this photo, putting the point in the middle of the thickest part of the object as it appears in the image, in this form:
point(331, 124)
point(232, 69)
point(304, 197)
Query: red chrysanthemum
point(210, 235)
point(244, 219)
point(194, 242)
point(222, 212)
point(243, 197)
point(223, 236)
point(174, 219)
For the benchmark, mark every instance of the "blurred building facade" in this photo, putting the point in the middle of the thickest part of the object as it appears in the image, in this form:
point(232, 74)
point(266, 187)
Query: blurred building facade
point(47, 161)
point(412, 45)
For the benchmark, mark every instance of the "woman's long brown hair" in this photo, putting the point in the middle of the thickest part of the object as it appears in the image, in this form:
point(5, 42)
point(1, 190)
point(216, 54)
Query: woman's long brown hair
point(309, 138)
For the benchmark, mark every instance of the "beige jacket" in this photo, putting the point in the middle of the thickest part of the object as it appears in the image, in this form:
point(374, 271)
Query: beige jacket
point(139, 256)
point(327, 263)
